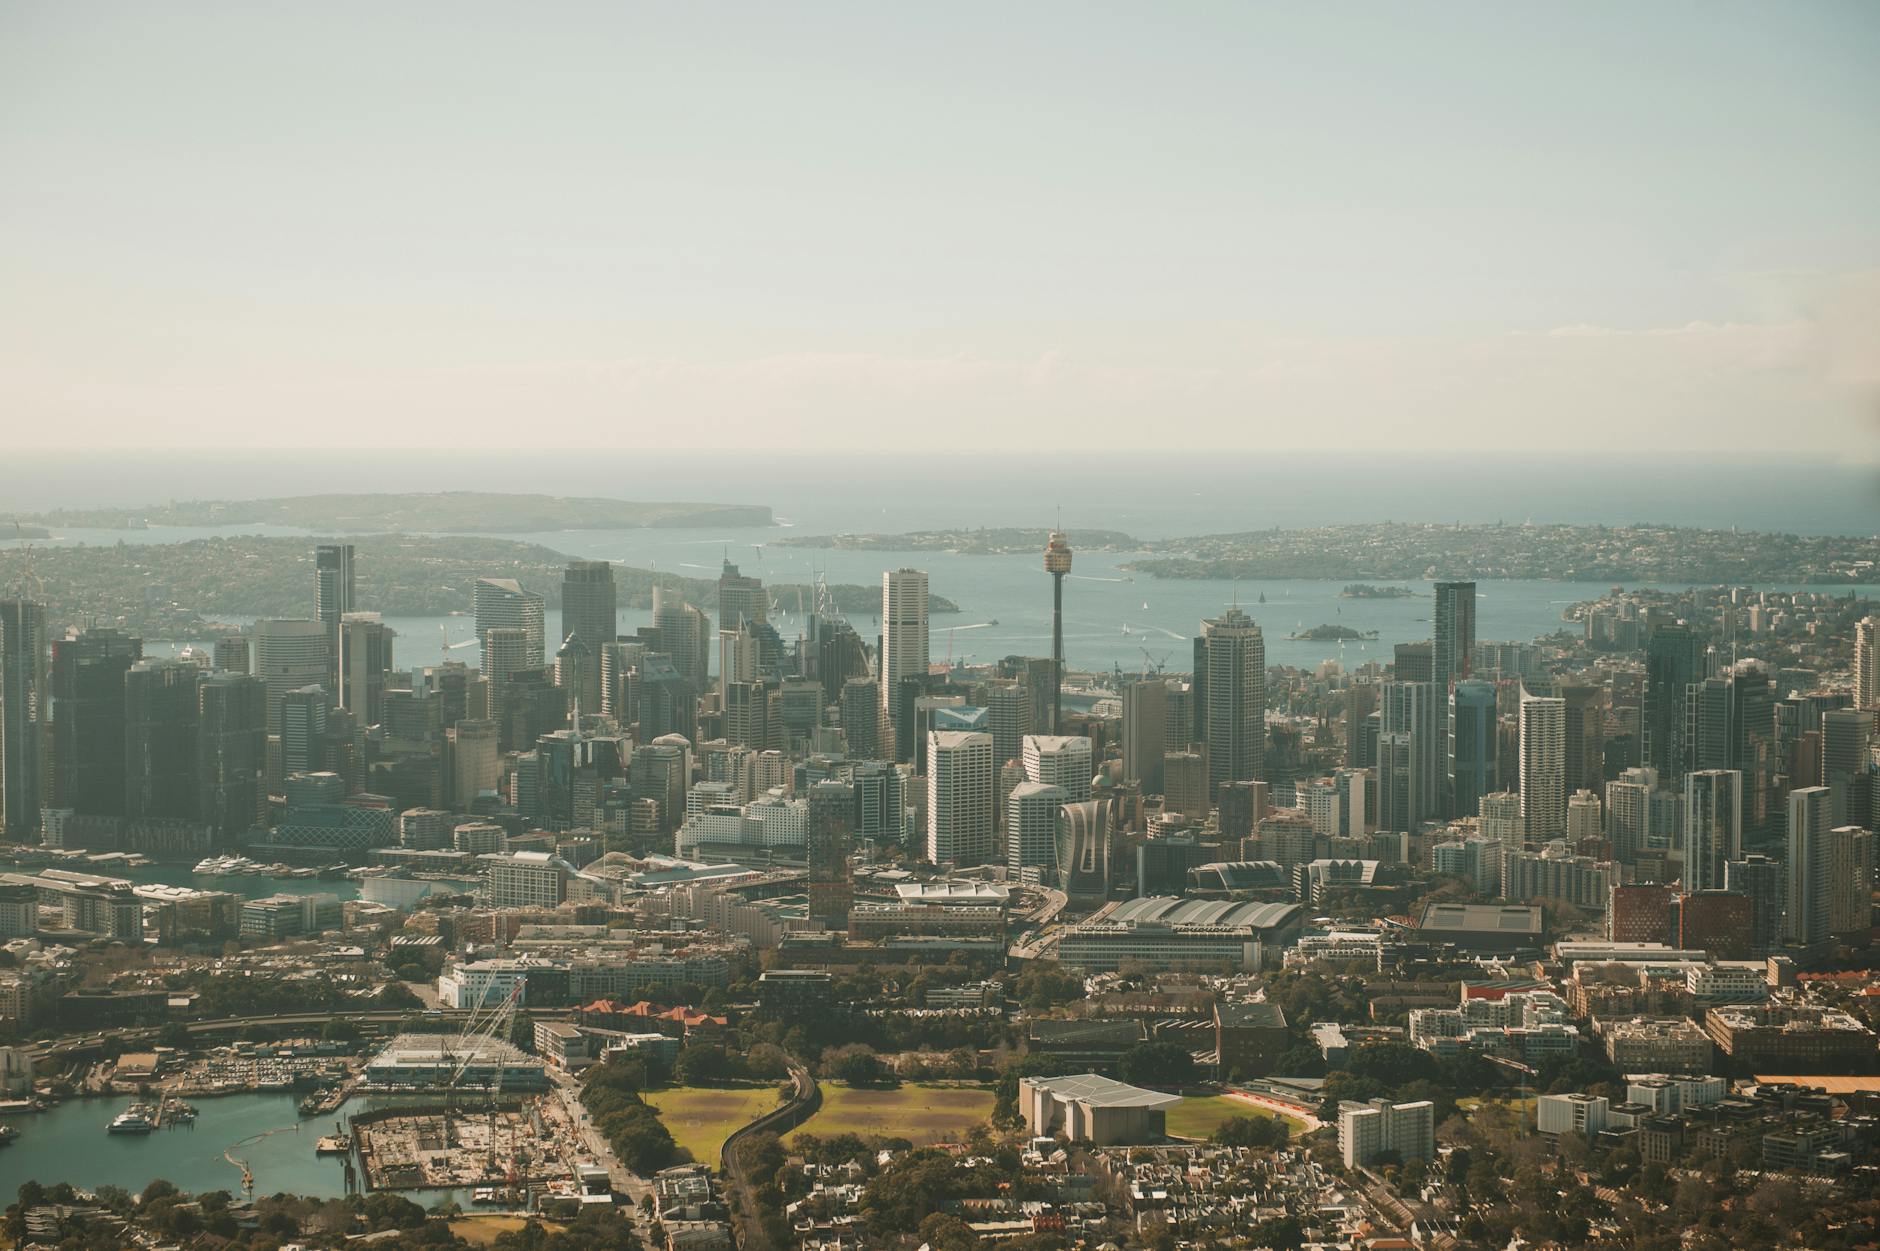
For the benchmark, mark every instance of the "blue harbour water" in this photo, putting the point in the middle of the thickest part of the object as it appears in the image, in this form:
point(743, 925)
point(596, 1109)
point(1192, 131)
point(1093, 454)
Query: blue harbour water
point(68, 1142)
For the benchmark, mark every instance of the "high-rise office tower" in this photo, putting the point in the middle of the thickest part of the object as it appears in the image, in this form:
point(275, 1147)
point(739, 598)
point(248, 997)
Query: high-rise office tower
point(502, 604)
point(1766, 883)
point(1059, 760)
point(1713, 826)
point(1360, 734)
point(589, 606)
point(1543, 767)
point(861, 717)
point(831, 807)
point(332, 582)
point(231, 753)
point(160, 711)
point(839, 654)
point(1851, 867)
point(620, 661)
point(475, 761)
point(1057, 563)
point(1808, 860)
point(1145, 732)
point(332, 598)
point(505, 654)
point(1629, 825)
point(1230, 698)
point(1008, 715)
point(302, 728)
point(365, 661)
point(1412, 724)
point(1413, 662)
point(1243, 805)
point(1038, 673)
point(960, 790)
point(1472, 743)
point(903, 638)
point(740, 599)
point(1867, 662)
point(1453, 634)
point(1674, 659)
point(231, 654)
point(1031, 816)
point(684, 637)
point(748, 720)
point(1730, 724)
point(290, 656)
point(577, 674)
point(88, 734)
point(24, 707)
point(589, 612)
point(1846, 750)
point(1585, 722)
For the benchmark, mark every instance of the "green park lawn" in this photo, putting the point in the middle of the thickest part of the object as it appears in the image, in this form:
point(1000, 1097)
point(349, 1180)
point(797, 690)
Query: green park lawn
point(921, 1114)
point(701, 1118)
point(1198, 1116)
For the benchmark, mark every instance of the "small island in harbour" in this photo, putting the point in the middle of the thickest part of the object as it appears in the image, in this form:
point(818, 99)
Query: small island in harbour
point(1364, 590)
point(1332, 633)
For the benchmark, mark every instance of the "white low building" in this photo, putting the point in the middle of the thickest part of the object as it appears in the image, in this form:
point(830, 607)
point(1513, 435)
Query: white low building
point(1093, 1109)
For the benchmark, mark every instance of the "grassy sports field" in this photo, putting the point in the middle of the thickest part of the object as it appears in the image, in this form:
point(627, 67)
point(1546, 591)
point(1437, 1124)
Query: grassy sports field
point(919, 1113)
point(701, 1118)
point(1198, 1116)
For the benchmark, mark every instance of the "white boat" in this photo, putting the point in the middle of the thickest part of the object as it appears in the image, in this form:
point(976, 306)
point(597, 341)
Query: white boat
point(135, 1119)
point(226, 866)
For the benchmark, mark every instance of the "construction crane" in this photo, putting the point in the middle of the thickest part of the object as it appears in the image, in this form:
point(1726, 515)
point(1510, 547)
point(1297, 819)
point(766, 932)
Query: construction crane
point(446, 646)
point(486, 1024)
point(1154, 665)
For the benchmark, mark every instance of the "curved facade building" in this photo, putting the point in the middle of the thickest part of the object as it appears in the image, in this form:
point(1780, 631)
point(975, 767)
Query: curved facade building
point(1083, 852)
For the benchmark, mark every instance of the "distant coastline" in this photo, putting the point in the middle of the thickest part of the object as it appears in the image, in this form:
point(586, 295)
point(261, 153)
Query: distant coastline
point(1416, 551)
point(463, 512)
point(178, 590)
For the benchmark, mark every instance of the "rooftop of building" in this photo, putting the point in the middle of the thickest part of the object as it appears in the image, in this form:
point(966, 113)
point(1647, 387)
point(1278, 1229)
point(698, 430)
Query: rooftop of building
point(1226, 913)
point(954, 890)
point(1484, 918)
point(1103, 1092)
point(1250, 1014)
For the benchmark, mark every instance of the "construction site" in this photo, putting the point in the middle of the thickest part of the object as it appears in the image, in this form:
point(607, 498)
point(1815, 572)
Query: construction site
point(479, 1117)
point(440, 1149)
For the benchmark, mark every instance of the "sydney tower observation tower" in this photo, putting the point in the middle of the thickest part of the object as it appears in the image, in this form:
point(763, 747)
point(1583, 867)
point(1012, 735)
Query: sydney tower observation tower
point(1057, 563)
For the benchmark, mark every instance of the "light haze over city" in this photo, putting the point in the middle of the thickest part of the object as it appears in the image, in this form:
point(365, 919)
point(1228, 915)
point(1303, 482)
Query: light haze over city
point(1428, 228)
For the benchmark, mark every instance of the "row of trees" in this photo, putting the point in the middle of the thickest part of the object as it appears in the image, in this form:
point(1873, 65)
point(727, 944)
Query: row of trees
point(611, 1094)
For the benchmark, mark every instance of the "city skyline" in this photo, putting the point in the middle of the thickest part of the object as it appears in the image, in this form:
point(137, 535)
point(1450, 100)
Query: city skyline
point(841, 627)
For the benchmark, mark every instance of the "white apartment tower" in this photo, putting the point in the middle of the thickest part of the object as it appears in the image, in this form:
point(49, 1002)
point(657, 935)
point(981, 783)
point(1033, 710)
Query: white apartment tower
point(1867, 663)
point(961, 781)
point(1060, 760)
point(1031, 817)
point(1543, 767)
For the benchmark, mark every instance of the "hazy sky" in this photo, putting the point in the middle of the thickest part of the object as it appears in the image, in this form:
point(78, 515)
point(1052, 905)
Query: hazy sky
point(945, 226)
